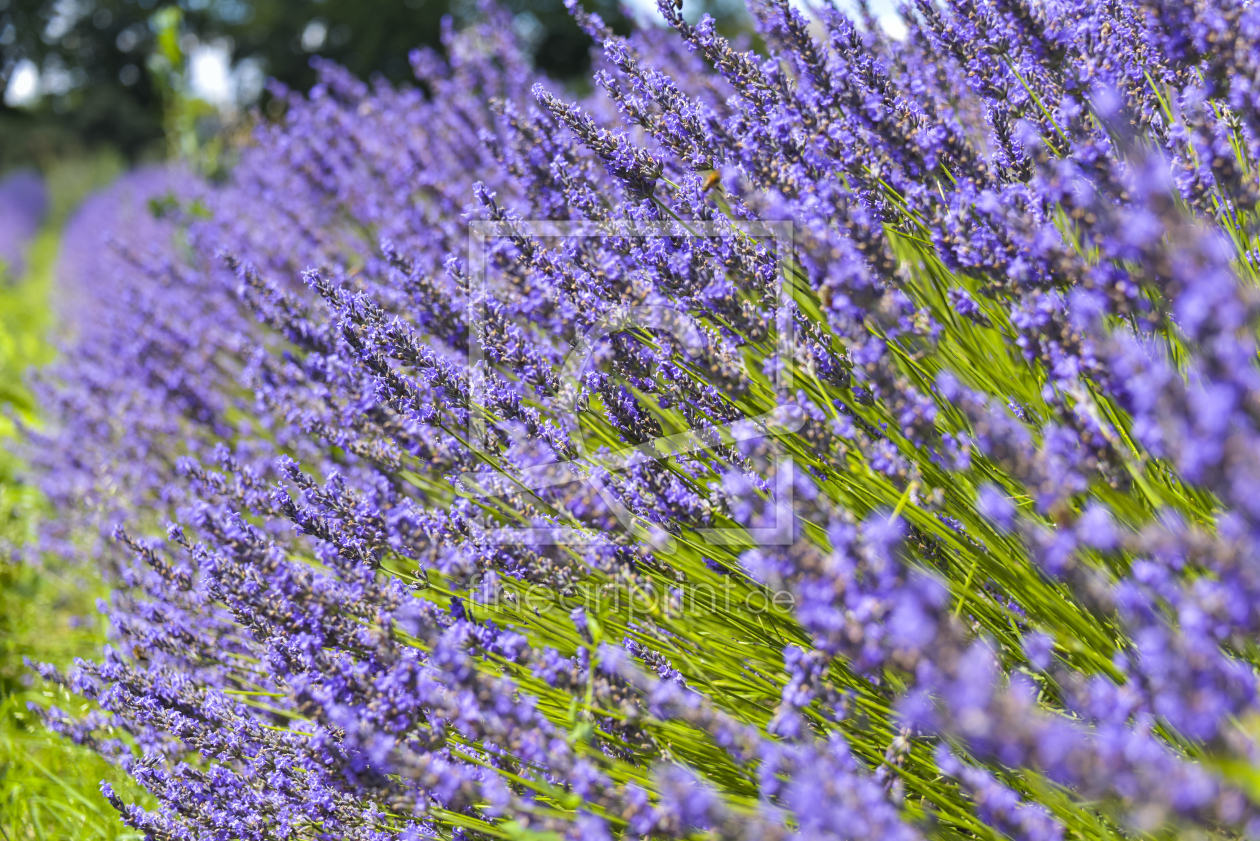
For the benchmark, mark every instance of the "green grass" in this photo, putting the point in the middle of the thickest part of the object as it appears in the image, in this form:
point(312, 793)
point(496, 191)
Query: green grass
point(49, 787)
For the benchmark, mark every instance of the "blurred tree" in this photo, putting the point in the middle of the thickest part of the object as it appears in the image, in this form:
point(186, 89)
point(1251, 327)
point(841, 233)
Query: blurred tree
point(87, 62)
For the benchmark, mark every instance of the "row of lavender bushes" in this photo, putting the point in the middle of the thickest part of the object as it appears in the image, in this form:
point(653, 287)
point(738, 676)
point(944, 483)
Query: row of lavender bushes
point(23, 204)
point(974, 552)
point(48, 787)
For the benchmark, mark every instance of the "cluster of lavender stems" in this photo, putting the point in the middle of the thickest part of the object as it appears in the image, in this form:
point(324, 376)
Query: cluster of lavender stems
point(23, 205)
point(925, 504)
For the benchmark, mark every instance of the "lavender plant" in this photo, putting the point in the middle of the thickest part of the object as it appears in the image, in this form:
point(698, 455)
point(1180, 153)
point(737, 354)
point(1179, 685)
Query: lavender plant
point(934, 516)
point(23, 204)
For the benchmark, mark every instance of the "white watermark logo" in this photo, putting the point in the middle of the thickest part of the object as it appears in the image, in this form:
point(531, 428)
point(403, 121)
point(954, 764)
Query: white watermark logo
point(593, 466)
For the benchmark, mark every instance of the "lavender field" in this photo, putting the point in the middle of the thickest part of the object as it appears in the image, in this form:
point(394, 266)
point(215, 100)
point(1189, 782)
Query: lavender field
point(824, 432)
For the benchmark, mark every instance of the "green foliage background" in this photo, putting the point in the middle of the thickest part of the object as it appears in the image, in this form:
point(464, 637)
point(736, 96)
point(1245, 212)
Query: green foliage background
point(119, 100)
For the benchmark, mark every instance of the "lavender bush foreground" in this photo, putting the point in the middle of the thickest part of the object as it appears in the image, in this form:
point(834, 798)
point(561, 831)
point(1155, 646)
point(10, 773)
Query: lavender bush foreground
point(857, 439)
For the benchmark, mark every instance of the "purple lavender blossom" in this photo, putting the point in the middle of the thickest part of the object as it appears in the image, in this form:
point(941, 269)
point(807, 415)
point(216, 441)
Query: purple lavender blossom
point(23, 204)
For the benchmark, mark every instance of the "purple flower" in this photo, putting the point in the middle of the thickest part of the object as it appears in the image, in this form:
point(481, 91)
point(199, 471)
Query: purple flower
point(993, 503)
point(1095, 528)
point(23, 204)
point(1039, 648)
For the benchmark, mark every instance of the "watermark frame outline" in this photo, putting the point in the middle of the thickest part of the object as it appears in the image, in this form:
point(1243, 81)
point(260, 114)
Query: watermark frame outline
point(780, 419)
